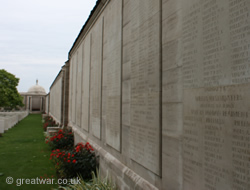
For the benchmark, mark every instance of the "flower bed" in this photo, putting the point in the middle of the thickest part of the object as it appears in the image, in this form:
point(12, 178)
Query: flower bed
point(80, 160)
point(71, 161)
point(63, 139)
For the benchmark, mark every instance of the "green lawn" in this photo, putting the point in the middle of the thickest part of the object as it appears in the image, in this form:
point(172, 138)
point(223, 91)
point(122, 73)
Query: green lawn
point(24, 155)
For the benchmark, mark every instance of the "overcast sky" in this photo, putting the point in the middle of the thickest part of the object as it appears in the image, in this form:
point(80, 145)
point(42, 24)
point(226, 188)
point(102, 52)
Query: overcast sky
point(36, 36)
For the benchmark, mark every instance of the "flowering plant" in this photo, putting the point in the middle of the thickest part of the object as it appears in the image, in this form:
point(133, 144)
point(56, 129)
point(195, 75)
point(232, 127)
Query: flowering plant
point(63, 139)
point(79, 161)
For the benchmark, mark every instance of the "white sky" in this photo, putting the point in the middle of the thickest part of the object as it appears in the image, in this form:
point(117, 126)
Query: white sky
point(36, 36)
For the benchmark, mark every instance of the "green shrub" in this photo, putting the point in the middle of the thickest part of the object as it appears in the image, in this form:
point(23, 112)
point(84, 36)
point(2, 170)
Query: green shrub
point(78, 161)
point(63, 139)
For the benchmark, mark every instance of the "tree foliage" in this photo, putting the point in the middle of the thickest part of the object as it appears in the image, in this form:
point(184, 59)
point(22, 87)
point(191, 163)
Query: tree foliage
point(9, 96)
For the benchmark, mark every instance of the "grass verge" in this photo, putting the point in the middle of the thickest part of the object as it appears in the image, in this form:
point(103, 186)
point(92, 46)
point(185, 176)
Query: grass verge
point(24, 155)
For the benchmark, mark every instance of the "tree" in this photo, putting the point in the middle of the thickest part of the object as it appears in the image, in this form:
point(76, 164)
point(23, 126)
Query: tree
point(9, 96)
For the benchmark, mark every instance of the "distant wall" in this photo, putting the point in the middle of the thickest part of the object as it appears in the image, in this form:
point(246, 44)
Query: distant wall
point(56, 99)
point(10, 119)
point(58, 96)
point(161, 88)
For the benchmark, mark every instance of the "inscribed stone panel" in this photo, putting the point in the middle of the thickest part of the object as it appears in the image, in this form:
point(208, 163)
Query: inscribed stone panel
point(96, 79)
point(70, 90)
point(74, 75)
point(112, 74)
point(215, 55)
point(145, 126)
point(216, 39)
point(216, 137)
point(79, 87)
point(85, 83)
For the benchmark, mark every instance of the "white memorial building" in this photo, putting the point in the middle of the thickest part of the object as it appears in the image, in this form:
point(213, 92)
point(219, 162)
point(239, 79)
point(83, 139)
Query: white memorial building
point(34, 99)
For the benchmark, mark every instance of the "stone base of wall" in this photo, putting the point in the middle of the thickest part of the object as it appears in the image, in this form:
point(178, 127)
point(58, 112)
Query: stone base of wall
point(123, 176)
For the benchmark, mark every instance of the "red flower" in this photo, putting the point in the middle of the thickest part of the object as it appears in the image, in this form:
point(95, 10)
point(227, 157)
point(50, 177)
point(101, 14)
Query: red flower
point(74, 161)
point(68, 161)
point(72, 155)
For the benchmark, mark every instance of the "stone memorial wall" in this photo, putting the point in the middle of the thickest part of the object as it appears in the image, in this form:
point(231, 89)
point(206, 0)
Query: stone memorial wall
point(160, 89)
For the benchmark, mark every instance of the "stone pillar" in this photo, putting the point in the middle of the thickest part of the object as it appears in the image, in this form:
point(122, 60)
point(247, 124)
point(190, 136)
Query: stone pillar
point(30, 103)
point(66, 93)
point(41, 104)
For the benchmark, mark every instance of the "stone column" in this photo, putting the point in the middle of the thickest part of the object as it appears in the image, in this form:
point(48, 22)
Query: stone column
point(30, 103)
point(41, 104)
